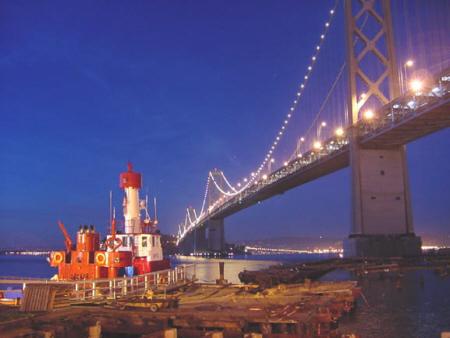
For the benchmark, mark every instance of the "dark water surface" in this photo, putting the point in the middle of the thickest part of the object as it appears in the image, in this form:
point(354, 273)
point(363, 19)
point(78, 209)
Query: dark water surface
point(415, 304)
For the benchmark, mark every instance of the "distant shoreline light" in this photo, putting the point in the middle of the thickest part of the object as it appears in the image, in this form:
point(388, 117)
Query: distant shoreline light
point(320, 251)
point(26, 253)
point(294, 251)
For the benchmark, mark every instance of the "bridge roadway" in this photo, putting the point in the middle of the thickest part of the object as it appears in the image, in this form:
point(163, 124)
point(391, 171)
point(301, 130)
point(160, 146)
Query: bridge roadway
point(403, 120)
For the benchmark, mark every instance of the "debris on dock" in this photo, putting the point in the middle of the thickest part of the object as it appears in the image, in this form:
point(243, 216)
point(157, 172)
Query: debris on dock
point(297, 310)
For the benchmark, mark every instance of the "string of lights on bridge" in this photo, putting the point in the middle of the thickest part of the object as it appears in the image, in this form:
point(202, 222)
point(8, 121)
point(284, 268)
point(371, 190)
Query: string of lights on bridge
point(268, 159)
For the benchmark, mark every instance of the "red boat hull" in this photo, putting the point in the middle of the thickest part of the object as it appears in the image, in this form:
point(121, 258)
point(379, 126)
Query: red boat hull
point(141, 265)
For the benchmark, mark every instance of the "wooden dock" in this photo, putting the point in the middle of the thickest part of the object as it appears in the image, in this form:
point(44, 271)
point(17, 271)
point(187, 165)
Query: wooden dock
point(298, 310)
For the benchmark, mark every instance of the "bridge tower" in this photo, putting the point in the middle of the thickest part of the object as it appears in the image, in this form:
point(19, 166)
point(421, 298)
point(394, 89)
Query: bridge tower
point(382, 222)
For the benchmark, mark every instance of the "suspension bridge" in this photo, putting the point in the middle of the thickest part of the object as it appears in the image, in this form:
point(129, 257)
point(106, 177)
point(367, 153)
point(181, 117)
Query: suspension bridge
point(373, 107)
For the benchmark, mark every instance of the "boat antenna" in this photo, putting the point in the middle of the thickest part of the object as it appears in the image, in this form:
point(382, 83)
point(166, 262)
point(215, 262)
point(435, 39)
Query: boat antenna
point(154, 206)
point(110, 206)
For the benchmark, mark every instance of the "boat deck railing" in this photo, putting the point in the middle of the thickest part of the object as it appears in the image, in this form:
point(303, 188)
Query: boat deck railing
point(113, 288)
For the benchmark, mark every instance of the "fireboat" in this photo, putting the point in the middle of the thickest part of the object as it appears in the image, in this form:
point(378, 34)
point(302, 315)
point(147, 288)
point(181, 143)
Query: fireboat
point(136, 251)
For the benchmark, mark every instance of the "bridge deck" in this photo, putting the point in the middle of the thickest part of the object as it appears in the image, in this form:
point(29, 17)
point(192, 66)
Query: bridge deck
point(435, 117)
point(315, 170)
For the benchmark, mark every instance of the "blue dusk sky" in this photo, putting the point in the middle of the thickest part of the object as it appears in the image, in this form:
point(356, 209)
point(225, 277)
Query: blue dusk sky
point(177, 88)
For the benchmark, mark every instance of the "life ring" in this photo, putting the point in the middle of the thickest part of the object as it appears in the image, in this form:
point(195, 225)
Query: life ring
point(100, 258)
point(58, 257)
point(110, 243)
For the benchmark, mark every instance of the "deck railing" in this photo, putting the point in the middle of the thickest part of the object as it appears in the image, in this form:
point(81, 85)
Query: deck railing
point(102, 289)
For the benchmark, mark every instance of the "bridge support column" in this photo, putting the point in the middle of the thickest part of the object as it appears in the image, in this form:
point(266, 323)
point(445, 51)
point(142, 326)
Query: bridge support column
point(194, 242)
point(200, 240)
point(216, 234)
point(381, 205)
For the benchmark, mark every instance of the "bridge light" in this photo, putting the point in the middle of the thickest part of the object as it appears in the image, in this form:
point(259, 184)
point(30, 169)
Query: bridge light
point(332, 12)
point(368, 114)
point(264, 177)
point(272, 160)
point(339, 132)
point(285, 163)
point(416, 85)
point(299, 155)
point(245, 179)
point(302, 139)
point(239, 184)
point(313, 58)
point(409, 63)
point(317, 145)
point(323, 124)
point(363, 96)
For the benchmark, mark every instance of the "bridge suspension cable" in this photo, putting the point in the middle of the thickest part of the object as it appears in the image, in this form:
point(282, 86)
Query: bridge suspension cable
point(246, 182)
point(339, 128)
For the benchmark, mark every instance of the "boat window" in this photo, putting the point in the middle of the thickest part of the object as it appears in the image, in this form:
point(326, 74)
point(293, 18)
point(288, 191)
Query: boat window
point(124, 241)
point(153, 240)
point(131, 241)
point(144, 241)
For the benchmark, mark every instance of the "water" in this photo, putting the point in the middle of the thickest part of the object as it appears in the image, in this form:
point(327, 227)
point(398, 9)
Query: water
point(207, 270)
point(414, 305)
point(26, 266)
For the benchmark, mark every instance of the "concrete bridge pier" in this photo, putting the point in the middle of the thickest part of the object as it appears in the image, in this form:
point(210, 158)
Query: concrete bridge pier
point(216, 234)
point(208, 237)
point(382, 215)
point(194, 242)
